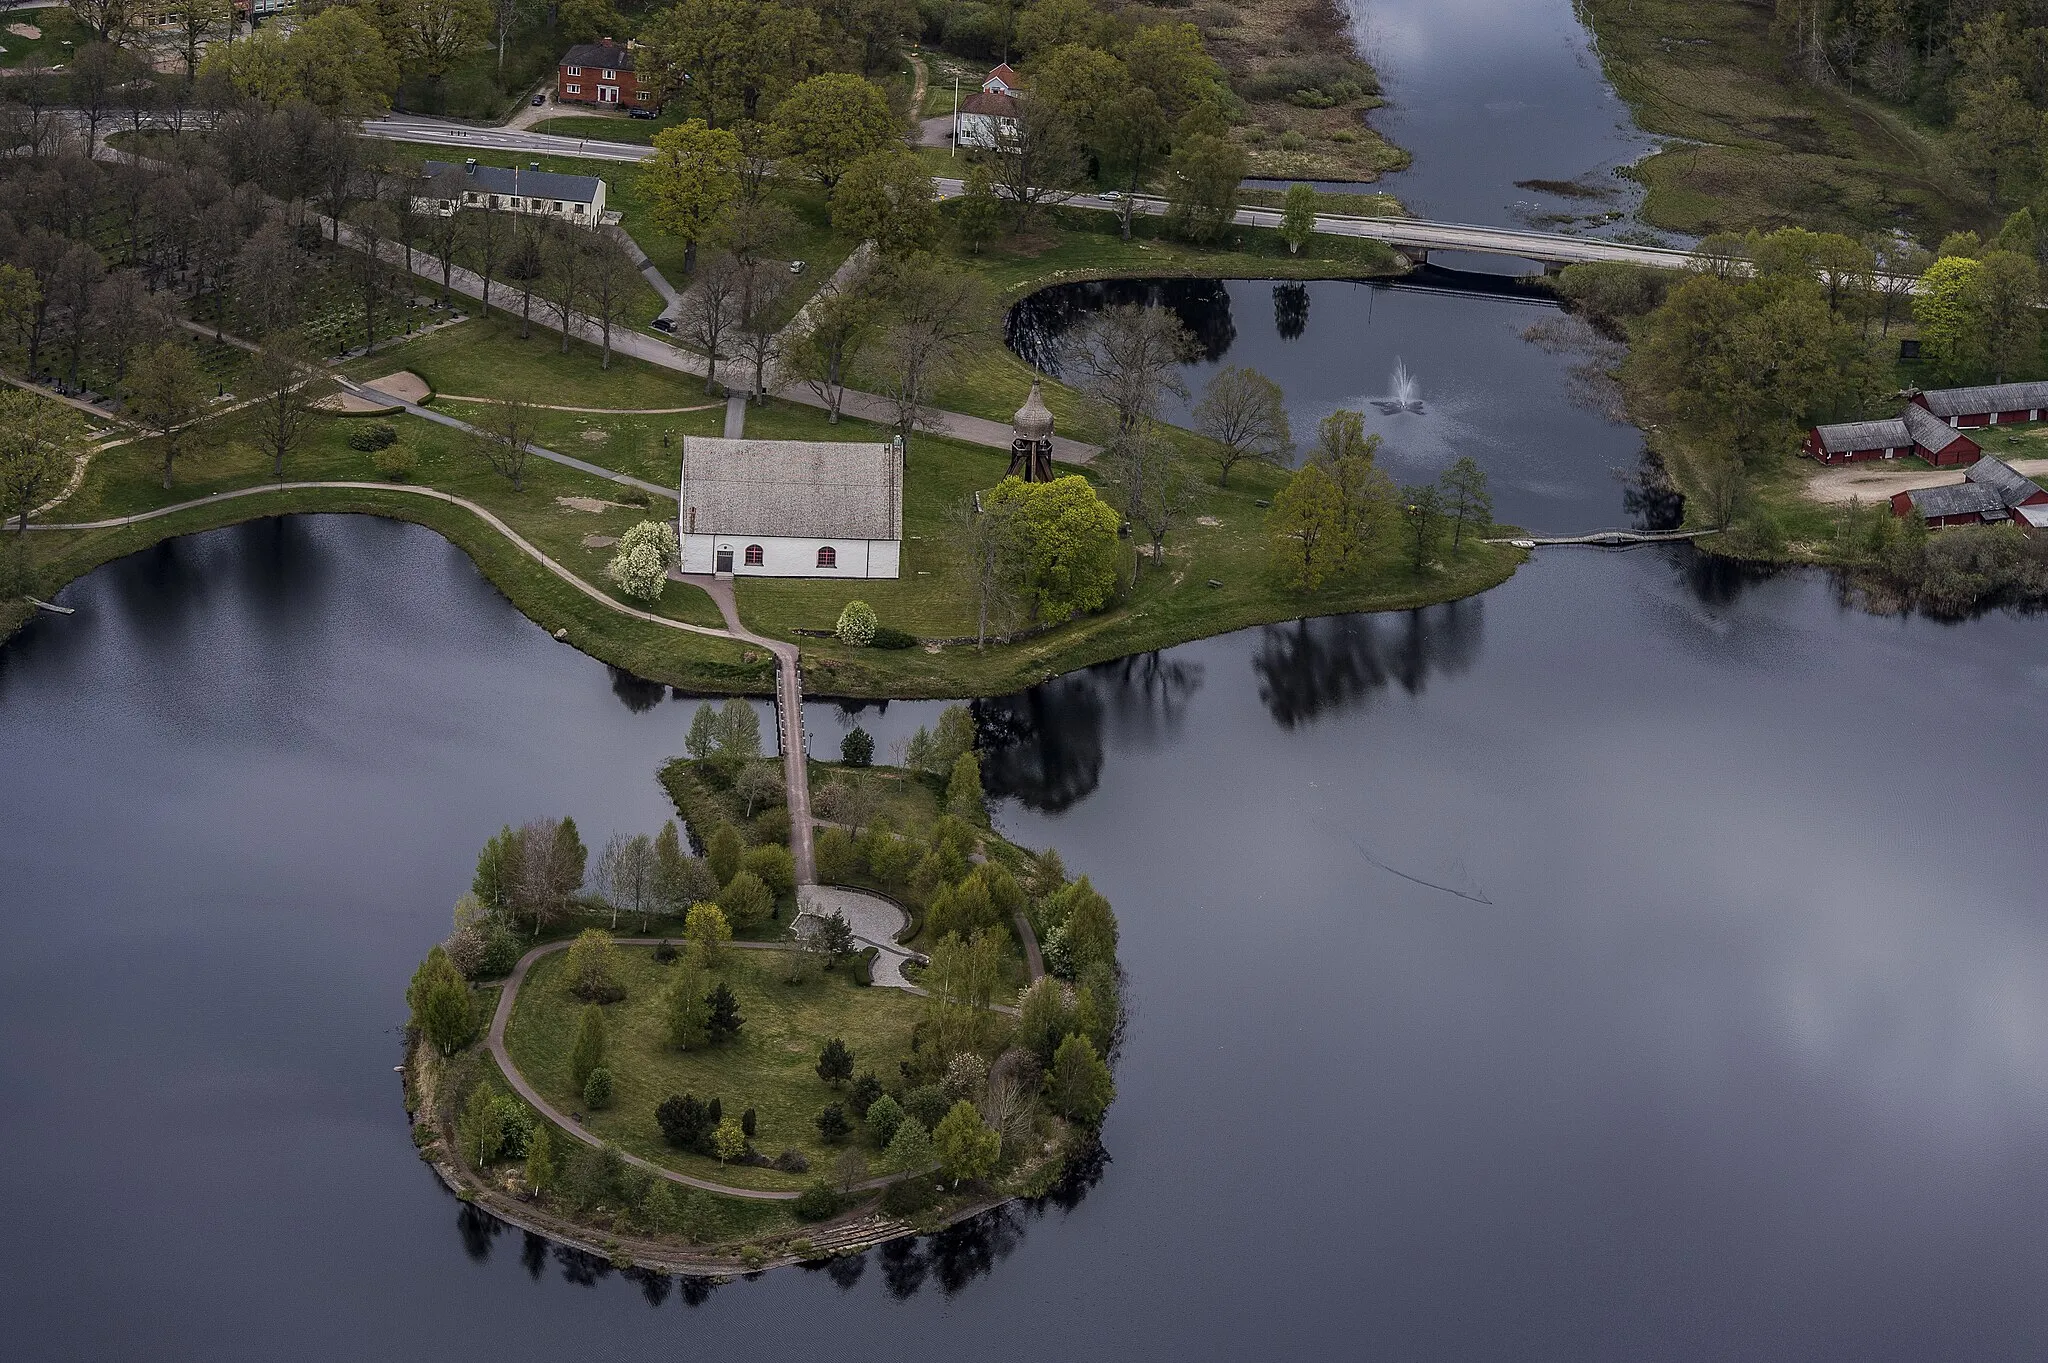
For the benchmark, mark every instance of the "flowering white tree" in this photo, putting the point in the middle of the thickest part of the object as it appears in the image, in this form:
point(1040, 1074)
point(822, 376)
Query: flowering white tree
point(646, 553)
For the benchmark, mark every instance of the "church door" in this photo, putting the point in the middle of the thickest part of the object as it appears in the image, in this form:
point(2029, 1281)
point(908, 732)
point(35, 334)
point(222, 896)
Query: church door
point(725, 560)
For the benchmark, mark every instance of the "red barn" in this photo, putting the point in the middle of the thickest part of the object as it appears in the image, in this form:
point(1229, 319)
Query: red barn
point(1852, 442)
point(1991, 404)
point(1935, 441)
point(1992, 491)
point(600, 73)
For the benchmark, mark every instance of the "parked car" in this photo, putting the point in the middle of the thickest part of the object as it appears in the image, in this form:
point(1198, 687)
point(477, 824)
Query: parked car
point(664, 324)
point(640, 113)
point(540, 99)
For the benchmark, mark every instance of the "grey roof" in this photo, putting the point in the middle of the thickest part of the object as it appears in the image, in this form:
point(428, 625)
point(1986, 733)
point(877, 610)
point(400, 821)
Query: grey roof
point(1957, 499)
point(813, 489)
point(2012, 486)
point(1929, 431)
point(603, 56)
point(1990, 397)
point(531, 184)
point(1034, 420)
point(2035, 516)
point(1848, 436)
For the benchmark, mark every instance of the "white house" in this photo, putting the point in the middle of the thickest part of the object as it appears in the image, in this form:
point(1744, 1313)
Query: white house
point(1002, 81)
point(986, 120)
point(791, 508)
point(578, 198)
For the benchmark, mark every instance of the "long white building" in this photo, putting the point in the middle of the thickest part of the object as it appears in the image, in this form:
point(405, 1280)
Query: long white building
point(791, 508)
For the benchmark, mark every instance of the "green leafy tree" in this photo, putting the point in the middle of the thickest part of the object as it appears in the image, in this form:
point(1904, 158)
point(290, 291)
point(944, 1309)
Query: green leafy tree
point(542, 1170)
point(702, 739)
point(1078, 1083)
point(1298, 218)
point(1465, 498)
point(641, 563)
point(690, 181)
point(481, 1128)
point(857, 748)
point(40, 443)
point(1307, 528)
point(1948, 312)
point(591, 1048)
point(857, 624)
point(978, 213)
point(443, 1010)
point(1090, 926)
point(1069, 539)
point(774, 867)
point(1203, 177)
point(829, 122)
point(887, 197)
point(724, 1021)
point(966, 1148)
point(1422, 505)
point(910, 1149)
point(963, 790)
point(739, 734)
point(729, 58)
point(434, 34)
point(759, 784)
point(686, 1010)
point(706, 929)
point(2008, 309)
point(746, 899)
point(340, 63)
point(1045, 1017)
point(724, 851)
point(885, 1115)
point(597, 1089)
point(728, 1141)
point(835, 1062)
point(2018, 234)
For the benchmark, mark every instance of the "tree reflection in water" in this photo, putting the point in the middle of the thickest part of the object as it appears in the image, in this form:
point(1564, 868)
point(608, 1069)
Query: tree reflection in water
point(479, 1229)
point(1036, 327)
point(1043, 747)
point(1290, 310)
point(533, 1254)
point(1313, 667)
point(636, 693)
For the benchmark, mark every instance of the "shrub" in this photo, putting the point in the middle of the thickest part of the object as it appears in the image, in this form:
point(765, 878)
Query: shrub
point(792, 1162)
point(748, 1123)
point(909, 1196)
point(861, 969)
point(771, 825)
point(818, 1200)
point(838, 863)
point(597, 1089)
point(864, 1093)
point(857, 749)
point(724, 851)
point(833, 1128)
point(746, 899)
point(892, 638)
point(374, 436)
point(928, 1105)
point(1292, 141)
point(592, 968)
point(683, 1120)
point(773, 866)
point(857, 624)
point(665, 953)
point(394, 464)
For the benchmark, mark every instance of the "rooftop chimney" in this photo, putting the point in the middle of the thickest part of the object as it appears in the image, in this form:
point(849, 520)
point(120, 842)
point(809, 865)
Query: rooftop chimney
point(469, 166)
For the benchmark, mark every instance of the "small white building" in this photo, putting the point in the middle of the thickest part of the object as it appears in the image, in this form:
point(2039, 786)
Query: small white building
point(987, 120)
point(791, 508)
point(577, 198)
point(1002, 81)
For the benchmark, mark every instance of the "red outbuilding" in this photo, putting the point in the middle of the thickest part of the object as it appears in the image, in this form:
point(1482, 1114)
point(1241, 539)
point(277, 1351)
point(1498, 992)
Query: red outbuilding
point(1918, 432)
point(1991, 492)
point(1991, 404)
point(600, 73)
point(1937, 442)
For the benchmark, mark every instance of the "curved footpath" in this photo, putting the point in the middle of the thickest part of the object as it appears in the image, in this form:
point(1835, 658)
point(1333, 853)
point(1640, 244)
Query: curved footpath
point(496, 1041)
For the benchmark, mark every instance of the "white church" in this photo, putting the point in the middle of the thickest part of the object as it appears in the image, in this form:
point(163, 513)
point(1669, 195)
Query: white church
point(791, 508)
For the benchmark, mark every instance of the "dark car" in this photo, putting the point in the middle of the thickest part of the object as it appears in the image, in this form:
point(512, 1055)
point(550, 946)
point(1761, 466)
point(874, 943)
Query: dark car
point(663, 324)
point(540, 99)
point(641, 113)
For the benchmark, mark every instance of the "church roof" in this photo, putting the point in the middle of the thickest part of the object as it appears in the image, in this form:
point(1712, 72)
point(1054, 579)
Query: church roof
point(811, 489)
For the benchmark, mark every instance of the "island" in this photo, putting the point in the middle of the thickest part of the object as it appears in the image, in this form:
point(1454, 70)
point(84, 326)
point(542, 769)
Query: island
point(681, 1055)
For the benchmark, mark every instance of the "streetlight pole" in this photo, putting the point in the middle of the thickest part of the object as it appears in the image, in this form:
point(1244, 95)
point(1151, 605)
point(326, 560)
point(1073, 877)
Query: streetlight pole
point(956, 115)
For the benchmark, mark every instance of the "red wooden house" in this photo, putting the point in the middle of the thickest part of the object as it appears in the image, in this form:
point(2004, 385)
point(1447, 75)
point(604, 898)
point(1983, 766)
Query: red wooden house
point(600, 73)
point(1991, 492)
point(1937, 442)
point(1991, 404)
point(1916, 432)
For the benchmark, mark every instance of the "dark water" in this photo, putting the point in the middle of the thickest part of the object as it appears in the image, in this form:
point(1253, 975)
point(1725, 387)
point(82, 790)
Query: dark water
point(1489, 93)
point(1554, 462)
point(1615, 966)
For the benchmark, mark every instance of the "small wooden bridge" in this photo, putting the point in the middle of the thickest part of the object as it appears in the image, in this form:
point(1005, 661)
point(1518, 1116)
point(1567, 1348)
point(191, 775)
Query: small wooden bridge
point(1605, 538)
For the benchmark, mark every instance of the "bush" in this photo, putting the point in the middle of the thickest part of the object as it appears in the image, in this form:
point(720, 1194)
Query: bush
point(857, 624)
point(665, 953)
point(683, 1120)
point(592, 968)
point(892, 638)
point(885, 1114)
point(597, 1089)
point(833, 1128)
point(909, 1196)
point(817, 1201)
point(838, 863)
point(375, 436)
point(771, 825)
point(865, 1093)
point(928, 1105)
point(645, 554)
point(857, 749)
point(861, 969)
point(746, 898)
point(394, 465)
point(792, 1162)
point(773, 866)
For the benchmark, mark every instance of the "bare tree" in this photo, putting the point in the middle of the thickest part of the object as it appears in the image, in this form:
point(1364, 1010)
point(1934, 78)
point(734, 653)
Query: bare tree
point(371, 276)
point(566, 279)
point(933, 314)
point(124, 319)
point(1037, 158)
point(525, 263)
point(838, 323)
point(444, 229)
point(504, 438)
point(624, 875)
point(1245, 413)
point(613, 278)
point(760, 339)
point(995, 560)
point(1126, 358)
point(710, 310)
point(96, 74)
point(266, 279)
point(1148, 481)
point(488, 228)
point(286, 382)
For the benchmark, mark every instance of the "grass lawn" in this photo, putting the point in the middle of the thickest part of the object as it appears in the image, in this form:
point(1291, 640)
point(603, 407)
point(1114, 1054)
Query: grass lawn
point(61, 34)
point(607, 127)
point(1761, 151)
point(770, 1066)
point(485, 358)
